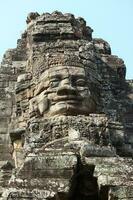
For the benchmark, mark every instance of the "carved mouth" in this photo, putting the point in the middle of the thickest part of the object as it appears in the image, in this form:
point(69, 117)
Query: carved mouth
point(72, 102)
point(68, 99)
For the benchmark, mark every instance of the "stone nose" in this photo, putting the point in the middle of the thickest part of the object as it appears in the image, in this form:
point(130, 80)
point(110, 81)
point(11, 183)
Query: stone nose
point(66, 88)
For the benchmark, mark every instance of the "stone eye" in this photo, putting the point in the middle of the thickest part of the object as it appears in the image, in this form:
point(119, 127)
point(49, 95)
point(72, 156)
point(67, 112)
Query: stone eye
point(54, 82)
point(80, 82)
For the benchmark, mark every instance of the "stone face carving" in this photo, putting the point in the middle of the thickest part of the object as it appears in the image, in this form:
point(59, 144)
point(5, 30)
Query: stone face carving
point(64, 90)
point(68, 112)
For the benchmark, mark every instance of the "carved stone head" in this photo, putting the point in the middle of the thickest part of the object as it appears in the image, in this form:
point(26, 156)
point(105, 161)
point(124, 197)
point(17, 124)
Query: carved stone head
point(65, 89)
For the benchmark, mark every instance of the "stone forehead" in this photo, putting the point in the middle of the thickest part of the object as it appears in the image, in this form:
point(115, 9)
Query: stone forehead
point(67, 69)
point(64, 71)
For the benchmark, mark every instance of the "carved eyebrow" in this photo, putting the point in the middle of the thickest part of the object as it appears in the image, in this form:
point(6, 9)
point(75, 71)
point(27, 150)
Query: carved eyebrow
point(58, 76)
point(63, 76)
point(78, 76)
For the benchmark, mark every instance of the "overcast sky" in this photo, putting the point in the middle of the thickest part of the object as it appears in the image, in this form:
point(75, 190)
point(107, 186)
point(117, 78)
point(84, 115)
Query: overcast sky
point(111, 20)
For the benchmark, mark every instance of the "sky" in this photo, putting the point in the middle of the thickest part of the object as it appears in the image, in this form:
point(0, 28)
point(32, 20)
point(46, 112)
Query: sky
point(111, 20)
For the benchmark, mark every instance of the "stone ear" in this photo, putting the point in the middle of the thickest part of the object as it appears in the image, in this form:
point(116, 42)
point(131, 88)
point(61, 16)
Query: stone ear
point(32, 106)
point(42, 102)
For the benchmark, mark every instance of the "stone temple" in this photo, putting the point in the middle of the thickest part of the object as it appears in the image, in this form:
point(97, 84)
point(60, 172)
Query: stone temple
point(66, 115)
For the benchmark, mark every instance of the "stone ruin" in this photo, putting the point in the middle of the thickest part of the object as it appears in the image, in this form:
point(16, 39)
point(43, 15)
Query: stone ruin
point(66, 115)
